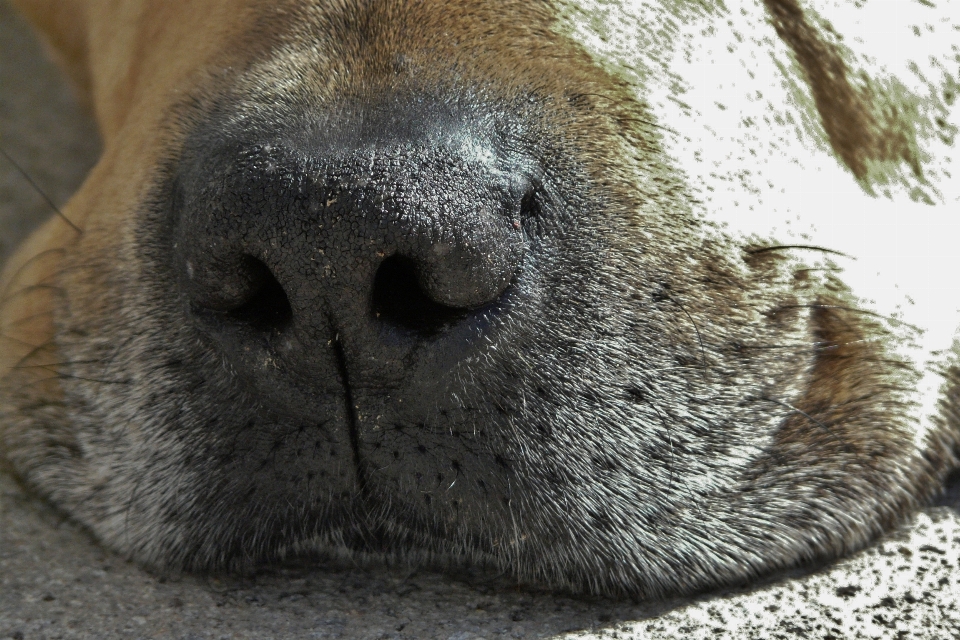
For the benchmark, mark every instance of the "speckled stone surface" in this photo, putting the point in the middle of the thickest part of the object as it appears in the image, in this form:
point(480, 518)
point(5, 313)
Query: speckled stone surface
point(55, 582)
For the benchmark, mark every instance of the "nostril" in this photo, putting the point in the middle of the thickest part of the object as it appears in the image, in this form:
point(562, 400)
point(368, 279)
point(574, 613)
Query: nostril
point(399, 299)
point(243, 291)
point(529, 206)
point(267, 306)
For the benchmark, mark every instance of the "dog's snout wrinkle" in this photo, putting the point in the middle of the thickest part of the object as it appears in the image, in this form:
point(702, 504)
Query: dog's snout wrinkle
point(351, 414)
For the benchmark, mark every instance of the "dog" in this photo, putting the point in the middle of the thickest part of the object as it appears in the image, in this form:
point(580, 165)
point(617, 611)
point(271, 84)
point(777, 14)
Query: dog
point(526, 284)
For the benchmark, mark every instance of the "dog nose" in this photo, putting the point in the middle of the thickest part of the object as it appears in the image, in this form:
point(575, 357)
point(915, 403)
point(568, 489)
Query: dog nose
point(382, 247)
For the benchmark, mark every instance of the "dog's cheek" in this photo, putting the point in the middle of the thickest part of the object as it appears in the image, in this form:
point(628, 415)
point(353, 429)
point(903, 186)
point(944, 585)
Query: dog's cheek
point(28, 283)
point(69, 429)
point(37, 435)
point(762, 145)
point(34, 428)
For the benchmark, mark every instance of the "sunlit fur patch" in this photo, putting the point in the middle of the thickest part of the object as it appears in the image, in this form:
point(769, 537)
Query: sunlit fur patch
point(866, 175)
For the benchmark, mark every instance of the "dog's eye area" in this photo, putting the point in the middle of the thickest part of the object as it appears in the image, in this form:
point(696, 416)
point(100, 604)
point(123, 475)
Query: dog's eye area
point(399, 299)
point(268, 306)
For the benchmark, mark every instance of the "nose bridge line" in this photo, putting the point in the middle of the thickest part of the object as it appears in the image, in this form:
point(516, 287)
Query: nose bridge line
point(351, 409)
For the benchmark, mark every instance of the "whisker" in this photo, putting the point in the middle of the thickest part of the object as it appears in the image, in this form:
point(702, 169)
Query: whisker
point(70, 376)
point(37, 188)
point(34, 350)
point(116, 352)
point(129, 506)
point(32, 316)
point(673, 454)
point(703, 353)
point(810, 247)
point(819, 270)
point(796, 345)
point(840, 307)
point(27, 263)
point(22, 342)
point(34, 381)
point(66, 363)
point(28, 289)
point(828, 430)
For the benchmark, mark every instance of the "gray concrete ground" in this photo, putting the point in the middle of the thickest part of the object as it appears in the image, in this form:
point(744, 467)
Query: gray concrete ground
point(55, 582)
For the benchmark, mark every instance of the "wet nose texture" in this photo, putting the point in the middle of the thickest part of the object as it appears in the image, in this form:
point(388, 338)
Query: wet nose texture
point(349, 258)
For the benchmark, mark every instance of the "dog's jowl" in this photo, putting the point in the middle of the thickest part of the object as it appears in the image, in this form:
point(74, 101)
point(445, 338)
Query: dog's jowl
point(552, 286)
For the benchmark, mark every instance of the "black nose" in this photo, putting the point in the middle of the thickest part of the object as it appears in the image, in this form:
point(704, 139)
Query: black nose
point(380, 244)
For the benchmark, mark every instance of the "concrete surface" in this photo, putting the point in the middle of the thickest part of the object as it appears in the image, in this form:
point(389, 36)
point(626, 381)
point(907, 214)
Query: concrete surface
point(55, 582)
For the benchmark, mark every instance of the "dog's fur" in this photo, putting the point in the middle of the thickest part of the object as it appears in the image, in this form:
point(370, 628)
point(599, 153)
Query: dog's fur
point(654, 403)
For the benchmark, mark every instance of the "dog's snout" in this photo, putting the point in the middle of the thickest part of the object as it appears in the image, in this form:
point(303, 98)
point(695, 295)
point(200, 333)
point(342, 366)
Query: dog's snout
point(381, 246)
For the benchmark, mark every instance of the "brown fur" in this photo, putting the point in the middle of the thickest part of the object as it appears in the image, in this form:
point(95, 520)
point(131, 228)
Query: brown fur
point(848, 112)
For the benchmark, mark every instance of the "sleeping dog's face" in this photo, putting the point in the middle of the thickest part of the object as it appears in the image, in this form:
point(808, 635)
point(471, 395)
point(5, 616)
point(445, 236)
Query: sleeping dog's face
point(412, 278)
